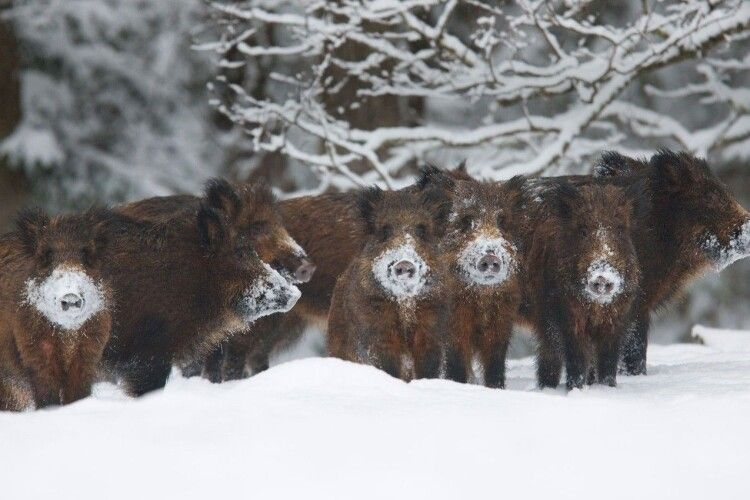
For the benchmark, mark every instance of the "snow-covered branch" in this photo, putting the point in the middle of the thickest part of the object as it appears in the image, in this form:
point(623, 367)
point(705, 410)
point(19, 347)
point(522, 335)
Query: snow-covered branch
point(537, 78)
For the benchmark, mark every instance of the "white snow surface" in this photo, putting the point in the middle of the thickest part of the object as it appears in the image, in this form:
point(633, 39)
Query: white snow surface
point(324, 428)
point(478, 248)
point(401, 288)
point(272, 293)
point(46, 297)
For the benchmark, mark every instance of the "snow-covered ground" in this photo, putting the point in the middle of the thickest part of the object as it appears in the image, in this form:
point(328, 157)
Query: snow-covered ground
point(323, 428)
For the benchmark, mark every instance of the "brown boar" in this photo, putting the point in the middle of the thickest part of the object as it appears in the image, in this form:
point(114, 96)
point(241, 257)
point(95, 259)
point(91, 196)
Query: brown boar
point(55, 308)
point(331, 230)
point(695, 225)
point(582, 278)
point(260, 218)
point(483, 248)
point(388, 307)
point(184, 285)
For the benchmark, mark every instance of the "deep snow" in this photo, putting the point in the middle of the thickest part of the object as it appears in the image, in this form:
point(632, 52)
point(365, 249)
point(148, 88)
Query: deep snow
point(324, 428)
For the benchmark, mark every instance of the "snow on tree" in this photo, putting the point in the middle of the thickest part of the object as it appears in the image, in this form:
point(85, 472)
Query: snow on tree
point(114, 99)
point(362, 90)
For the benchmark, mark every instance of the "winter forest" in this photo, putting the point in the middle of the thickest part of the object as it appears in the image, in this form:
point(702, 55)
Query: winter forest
point(105, 102)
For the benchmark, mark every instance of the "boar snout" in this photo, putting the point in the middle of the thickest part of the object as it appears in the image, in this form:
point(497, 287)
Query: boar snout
point(603, 282)
point(404, 269)
point(305, 271)
point(72, 301)
point(489, 264)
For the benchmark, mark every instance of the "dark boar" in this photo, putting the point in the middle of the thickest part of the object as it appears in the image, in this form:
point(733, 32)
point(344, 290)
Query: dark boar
point(483, 249)
point(259, 217)
point(582, 279)
point(184, 285)
point(694, 225)
point(331, 230)
point(55, 308)
point(388, 307)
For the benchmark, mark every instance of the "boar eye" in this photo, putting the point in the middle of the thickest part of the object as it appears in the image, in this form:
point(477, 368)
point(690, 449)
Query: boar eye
point(500, 220)
point(466, 223)
point(386, 232)
point(421, 231)
point(258, 228)
point(244, 252)
point(45, 257)
point(87, 256)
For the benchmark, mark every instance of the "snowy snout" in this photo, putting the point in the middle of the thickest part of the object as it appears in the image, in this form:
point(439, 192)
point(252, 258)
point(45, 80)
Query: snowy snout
point(401, 271)
point(270, 294)
point(68, 297)
point(486, 261)
point(737, 248)
point(603, 282)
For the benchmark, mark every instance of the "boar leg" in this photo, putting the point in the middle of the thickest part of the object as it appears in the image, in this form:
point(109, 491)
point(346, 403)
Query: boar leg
point(608, 354)
point(459, 352)
point(493, 352)
point(235, 359)
point(575, 360)
point(548, 360)
point(213, 364)
point(635, 346)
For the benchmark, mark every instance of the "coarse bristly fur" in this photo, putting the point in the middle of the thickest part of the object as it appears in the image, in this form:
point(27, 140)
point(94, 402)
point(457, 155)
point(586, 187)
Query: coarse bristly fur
point(483, 248)
point(184, 285)
point(388, 307)
point(583, 279)
point(331, 230)
point(256, 213)
point(694, 224)
point(55, 307)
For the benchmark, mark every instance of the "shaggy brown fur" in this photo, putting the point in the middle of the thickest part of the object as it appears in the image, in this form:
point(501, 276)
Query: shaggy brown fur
point(180, 288)
point(485, 230)
point(568, 300)
point(694, 222)
point(39, 360)
point(369, 322)
point(260, 218)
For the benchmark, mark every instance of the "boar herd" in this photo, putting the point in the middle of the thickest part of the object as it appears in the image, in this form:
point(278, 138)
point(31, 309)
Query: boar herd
point(423, 282)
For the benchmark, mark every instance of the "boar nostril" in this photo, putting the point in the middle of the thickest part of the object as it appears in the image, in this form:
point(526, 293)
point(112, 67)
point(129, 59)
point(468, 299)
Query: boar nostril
point(305, 271)
point(404, 269)
point(601, 285)
point(71, 300)
point(489, 264)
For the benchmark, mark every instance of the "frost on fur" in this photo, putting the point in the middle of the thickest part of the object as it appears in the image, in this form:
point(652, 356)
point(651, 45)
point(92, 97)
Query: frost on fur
point(601, 271)
point(401, 287)
point(723, 256)
point(470, 257)
point(270, 294)
point(68, 297)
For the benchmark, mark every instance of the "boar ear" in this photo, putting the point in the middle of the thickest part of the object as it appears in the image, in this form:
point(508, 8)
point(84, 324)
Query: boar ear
point(612, 164)
point(439, 203)
point(262, 193)
point(211, 227)
point(563, 198)
point(461, 173)
point(678, 170)
point(432, 176)
point(221, 196)
point(639, 196)
point(30, 225)
point(102, 221)
point(367, 202)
